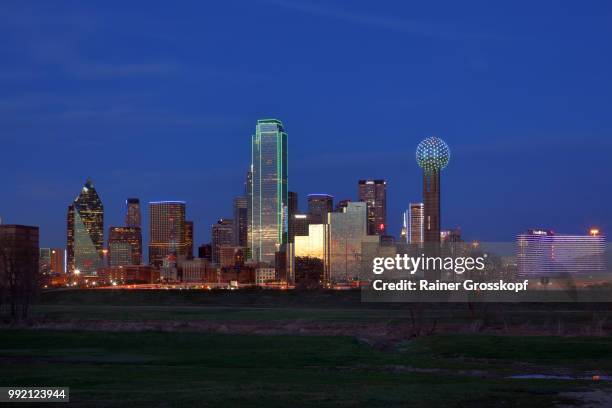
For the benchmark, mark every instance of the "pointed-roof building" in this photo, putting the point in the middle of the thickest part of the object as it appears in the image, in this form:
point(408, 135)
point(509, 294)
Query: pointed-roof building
point(85, 238)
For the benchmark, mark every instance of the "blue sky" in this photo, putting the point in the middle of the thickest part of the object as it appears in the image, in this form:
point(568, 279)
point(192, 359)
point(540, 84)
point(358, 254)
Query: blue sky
point(158, 100)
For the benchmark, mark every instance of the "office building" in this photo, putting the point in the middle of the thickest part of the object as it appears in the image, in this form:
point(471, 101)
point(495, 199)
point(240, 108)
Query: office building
point(120, 254)
point(189, 239)
point(205, 252)
point(347, 232)
point(314, 246)
point(374, 194)
point(293, 209)
point(222, 235)
point(248, 184)
point(241, 221)
point(450, 236)
point(269, 194)
point(119, 275)
point(124, 246)
point(319, 205)
point(298, 226)
point(231, 256)
point(166, 233)
point(292, 202)
point(85, 232)
point(415, 219)
point(132, 213)
point(199, 271)
point(264, 275)
point(58, 260)
point(546, 254)
point(19, 261)
point(44, 261)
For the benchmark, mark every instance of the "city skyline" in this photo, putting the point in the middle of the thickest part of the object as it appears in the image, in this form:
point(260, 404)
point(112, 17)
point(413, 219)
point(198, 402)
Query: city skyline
point(395, 222)
point(501, 100)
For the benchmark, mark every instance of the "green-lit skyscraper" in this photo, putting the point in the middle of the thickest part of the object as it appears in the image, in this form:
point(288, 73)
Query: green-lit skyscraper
point(85, 231)
point(268, 229)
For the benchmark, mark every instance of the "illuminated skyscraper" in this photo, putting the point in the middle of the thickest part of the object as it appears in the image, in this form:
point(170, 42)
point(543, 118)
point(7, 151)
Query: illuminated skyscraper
point(58, 257)
point(249, 195)
point(132, 213)
point(189, 239)
point(293, 203)
point(545, 254)
point(293, 209)
point(347, 233)
point(269, 198)
point(166, 232)
point(222, 236)
point(124, 246)
point(432, 155)
point(241, 220)
point(319, 205)
point(44, 261)
point(85, 231)
point(315, 246)
point(374, 194)
point(414, 230)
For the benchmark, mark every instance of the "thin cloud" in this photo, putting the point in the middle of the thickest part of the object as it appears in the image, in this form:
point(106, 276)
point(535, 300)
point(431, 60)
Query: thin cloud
point(53, 42)
point(417, 27)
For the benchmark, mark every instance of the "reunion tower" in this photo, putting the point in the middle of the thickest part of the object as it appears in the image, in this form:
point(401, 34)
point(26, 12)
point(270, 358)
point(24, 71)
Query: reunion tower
point(432, 155)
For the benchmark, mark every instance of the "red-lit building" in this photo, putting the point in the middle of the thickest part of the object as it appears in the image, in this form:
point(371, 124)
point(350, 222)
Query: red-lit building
point(127, 274)
point(374, 193)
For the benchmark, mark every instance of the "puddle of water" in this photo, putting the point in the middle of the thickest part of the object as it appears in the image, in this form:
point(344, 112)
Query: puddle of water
point(559, 377)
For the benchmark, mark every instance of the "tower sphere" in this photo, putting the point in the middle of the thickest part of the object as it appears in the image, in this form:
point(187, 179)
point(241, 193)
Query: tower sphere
point(432, 154)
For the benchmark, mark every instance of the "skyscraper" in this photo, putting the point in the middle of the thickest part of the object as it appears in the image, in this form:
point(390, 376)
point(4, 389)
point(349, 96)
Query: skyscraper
point(269, 198)
point(132, 213)
point(314, 246)
point(19, 264)
point(189, 239)
point(166, 231)
point(124, 246)
point(248, 184)
point(58, 257)
point(44, 261)
point(319, 205)
point(374, 194)
point(432, 155)
point(293, 203)
point(85, 239)
point(545, 254)
point(347, 233)
point(241, 220)
point(414, 230)
point(222, 236)
point(293, 210)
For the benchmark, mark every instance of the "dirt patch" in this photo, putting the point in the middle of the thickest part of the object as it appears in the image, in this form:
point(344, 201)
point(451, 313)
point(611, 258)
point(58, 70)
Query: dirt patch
point(589, 399)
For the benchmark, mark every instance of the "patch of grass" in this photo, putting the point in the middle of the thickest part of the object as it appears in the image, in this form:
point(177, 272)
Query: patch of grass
point(570, 351)
point(184, 369)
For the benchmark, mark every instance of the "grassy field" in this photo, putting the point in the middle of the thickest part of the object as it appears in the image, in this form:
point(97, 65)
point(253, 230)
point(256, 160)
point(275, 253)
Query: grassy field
point(196, 364)
point(260, 305)
point(182, 369)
